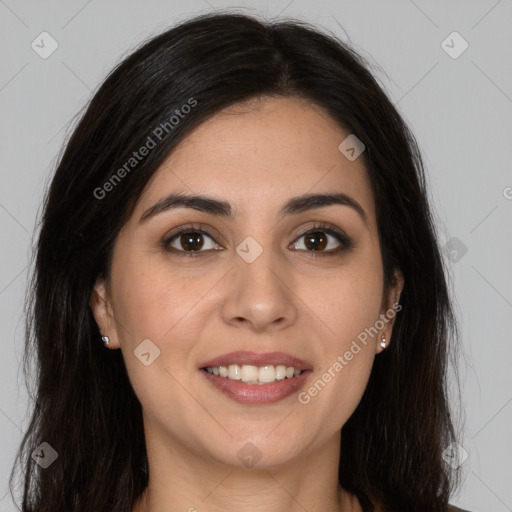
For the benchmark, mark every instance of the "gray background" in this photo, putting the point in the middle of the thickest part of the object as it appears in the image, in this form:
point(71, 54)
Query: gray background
point(460, 110)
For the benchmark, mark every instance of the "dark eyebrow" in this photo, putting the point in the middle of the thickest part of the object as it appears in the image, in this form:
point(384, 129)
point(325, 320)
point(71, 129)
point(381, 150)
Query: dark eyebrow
point(223, 209)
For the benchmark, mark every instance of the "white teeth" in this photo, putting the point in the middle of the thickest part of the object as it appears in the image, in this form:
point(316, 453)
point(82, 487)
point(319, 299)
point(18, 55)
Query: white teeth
point(255, 375)
point(267, 374)
point(249, 373)
point(234, 372)
point(280, 372)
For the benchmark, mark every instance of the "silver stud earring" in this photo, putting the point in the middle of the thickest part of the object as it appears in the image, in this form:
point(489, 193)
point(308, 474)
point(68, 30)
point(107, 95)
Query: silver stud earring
point(106, 340)
point(383, 342)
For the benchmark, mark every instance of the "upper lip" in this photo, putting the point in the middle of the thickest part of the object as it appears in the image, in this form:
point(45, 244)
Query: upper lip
point(257, 359)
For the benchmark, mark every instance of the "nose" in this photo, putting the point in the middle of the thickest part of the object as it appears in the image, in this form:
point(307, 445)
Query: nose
point(260, 294)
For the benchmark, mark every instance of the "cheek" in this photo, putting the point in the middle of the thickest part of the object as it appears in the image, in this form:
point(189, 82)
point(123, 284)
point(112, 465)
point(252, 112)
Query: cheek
point(347, 302)
point(339, 383)
point(155, 300)
point(154, 303)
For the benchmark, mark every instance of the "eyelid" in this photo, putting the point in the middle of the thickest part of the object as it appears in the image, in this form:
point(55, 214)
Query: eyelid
point(195, 227)
point(327, 227)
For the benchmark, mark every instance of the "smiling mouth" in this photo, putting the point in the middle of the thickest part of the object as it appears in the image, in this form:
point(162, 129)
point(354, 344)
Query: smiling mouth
point(255, 375)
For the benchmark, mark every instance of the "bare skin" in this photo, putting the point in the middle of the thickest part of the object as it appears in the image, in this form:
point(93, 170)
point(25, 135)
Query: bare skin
point(291, 298)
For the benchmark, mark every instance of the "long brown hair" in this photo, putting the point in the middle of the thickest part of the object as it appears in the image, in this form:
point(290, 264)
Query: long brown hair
point(84, 406)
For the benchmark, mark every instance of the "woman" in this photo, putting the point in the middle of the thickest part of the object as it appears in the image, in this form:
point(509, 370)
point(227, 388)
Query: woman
point(241, 217)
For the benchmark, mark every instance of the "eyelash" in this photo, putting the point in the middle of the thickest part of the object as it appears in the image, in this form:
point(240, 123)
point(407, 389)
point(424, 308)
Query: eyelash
point(345, 241)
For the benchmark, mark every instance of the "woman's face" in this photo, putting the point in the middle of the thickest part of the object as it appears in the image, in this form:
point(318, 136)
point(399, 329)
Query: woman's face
point(253, 283)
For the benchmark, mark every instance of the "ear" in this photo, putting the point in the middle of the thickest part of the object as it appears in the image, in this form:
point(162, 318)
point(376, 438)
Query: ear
point(389, 310)
point(100, 304)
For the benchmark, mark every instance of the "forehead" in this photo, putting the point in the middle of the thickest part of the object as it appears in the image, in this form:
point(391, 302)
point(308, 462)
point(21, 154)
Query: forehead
point(258, 153)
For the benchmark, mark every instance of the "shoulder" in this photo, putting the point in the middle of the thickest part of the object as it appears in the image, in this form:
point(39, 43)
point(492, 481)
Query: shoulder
point(452, 508)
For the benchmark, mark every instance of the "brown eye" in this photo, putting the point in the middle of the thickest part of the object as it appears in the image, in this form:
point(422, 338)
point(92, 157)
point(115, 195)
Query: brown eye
point(318, 239)
point(189, 241)
point(194, 241)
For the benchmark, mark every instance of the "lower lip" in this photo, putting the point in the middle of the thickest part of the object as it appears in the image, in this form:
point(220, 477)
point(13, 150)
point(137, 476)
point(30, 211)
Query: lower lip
point(257, 393)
